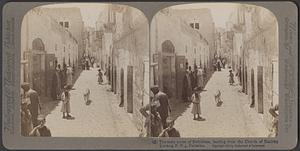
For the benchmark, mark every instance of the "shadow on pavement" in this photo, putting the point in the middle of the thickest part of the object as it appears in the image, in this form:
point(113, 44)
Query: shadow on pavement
point(48, 105)
point(178, 109)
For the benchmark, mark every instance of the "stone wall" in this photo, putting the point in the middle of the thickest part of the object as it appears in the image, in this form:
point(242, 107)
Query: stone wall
point(131, 50)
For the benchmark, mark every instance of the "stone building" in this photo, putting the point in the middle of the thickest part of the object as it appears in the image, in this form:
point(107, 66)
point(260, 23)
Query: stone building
point(202, 21)
point(125, 53)
point(71, 20)
point(174, 47)
point(43, 42)
point(256, 50)
point(91, 43)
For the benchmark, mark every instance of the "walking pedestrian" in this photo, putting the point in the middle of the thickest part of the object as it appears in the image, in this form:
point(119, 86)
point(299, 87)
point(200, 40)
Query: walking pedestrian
point(200, 80)
point(83, 64)
point(56, 85)
point(196, 99)
point(100, 79)
point(192, 77)
point(26, 118)
point(66, 107)
point(61, 77)
point(187, 87)
point(219, 64)
point(223, 63)
point(153, 122)
point(34, 105)
point(64, 74)
point(69, 77)
point(164, 107)
point(87, 66)
point(231, 76)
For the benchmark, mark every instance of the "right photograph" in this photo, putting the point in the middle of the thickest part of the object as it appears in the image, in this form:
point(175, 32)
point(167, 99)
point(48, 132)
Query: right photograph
point(214, 71)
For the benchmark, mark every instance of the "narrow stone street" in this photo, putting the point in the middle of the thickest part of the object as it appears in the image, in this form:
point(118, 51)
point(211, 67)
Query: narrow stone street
point(102, 118)
point(233, 119)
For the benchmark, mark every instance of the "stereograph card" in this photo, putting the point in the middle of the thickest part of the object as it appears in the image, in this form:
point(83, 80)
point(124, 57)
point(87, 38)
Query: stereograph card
point(124, 75)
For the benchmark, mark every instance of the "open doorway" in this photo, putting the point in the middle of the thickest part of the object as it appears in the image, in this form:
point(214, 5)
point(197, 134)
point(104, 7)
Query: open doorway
point(252, 89)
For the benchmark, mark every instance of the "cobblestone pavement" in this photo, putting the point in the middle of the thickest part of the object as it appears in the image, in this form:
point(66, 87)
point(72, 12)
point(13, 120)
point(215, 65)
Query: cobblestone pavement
point(233, 119)
point(102, 118)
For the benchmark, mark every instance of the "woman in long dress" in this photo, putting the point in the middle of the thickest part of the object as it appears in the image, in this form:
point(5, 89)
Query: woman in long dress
point(196, 99)
point(66, 108)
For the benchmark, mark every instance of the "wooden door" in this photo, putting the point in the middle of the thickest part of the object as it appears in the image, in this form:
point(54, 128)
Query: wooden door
point(260, 89)
point(37, 73)
point(122, 85)
point(130, 89)
point(180, 72)
point(167, 77)
point(252, 88)
point(50, 70)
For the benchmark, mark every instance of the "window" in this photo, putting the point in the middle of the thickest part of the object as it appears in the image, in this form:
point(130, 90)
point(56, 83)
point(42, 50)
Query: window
point(197, 26)
point(67, 24)
point(192, 25)
point(61, 23)
point(194, 50)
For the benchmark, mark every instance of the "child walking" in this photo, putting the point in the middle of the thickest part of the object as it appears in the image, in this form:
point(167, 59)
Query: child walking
point(196, 98)
point(66, 108)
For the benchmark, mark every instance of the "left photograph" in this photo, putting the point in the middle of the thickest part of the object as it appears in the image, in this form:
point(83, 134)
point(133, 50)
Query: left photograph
point(84, 71)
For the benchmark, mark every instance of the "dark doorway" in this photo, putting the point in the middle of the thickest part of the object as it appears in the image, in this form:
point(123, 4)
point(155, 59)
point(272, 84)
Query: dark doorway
point(180, 72)
point(115, 80)
point(122, 87)
point(38, 66)
point(168, 63)
point(252, 89)
point(260, 89)
point(246, 80)
point(130, 89)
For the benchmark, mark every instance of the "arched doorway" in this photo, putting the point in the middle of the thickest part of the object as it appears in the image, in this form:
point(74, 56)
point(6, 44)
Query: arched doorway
point(37, 44)
point(37, 62)
point(168, 68)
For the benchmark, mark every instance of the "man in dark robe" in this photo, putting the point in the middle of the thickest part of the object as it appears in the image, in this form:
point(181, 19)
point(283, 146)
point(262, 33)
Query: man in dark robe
point(187, 87)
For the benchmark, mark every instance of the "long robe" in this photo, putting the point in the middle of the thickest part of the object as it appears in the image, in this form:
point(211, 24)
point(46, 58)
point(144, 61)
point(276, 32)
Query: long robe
point(196, 104)
point(200, 80)
point(66, 108)
point(69, 77)
point(187, 87)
